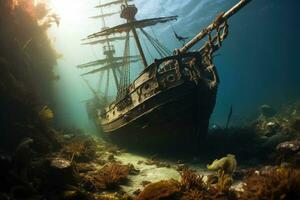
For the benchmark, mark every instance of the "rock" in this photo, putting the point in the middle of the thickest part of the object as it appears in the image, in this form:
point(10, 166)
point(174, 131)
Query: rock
point(160, 190)
point(274, 140)
point(267, 111)
point(62, 172)
point(288, 147)
point(296, 125)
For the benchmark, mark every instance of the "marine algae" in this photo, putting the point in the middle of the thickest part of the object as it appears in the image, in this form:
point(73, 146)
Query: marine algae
point(276, 183)
point(226, 164)
point(108, 177)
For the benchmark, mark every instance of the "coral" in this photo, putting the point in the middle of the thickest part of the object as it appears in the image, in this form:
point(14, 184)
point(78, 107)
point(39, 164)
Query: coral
point(81, 149)
point(275, 183)
point(191, 180)
point(227, 164)
point(222, 187)
point(193, 187)
point(110, 176)
point(160, 190)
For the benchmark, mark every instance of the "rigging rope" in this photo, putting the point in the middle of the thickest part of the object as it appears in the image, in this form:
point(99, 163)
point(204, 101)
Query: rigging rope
point(180, 39)
point(148, 50)
point(126, 65)
point(162, 51)
point(107, 84)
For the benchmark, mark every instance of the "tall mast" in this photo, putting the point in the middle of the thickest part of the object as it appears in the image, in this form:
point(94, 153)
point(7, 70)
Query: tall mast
point(110, 52)
point(120, 66)
point(128, 12)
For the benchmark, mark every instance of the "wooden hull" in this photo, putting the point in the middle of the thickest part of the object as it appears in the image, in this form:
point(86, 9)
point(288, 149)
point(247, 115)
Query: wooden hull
point(179, 118)
point(164, 109)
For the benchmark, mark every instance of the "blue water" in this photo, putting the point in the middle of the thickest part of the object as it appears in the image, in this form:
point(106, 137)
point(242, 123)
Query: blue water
point(258, 63)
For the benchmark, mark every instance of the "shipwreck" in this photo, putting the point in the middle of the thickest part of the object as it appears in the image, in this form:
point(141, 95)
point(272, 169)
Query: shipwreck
point(172, 99)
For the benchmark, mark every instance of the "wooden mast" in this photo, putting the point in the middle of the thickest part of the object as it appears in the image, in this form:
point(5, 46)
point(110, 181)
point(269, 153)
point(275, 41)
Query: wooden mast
point(139, 46)
point(128, 12)
point(110, 52)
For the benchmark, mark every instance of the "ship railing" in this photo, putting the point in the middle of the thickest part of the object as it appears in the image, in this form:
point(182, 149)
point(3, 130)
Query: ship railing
point(172, 62)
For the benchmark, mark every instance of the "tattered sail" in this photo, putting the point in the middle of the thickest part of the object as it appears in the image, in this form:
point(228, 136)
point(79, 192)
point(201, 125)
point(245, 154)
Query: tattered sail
point(110, 66)
point(105, 60)
point(105, 40)
point(136, 24)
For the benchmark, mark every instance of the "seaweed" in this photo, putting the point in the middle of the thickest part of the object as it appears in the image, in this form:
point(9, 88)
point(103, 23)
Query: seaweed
point(80, 149)
point(108, 177)
point(191, 180)
point(275, 183)
point(226, 164)
point(194, 187)
point(191, 187)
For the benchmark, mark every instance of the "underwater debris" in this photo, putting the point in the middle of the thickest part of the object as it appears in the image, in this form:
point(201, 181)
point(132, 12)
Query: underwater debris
point(160, 190)
point(226, 164)
point(275, 183)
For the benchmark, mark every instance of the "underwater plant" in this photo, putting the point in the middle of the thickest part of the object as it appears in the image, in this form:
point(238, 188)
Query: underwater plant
point(108, 177)
point(80, 149)
point(225, 165)
point(275, 183)
point(191, 180)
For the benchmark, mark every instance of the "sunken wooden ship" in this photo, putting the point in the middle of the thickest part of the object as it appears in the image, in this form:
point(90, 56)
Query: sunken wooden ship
point(171, 100)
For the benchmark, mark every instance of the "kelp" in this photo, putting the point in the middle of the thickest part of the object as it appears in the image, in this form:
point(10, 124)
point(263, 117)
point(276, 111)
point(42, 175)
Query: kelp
point(27, 60)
